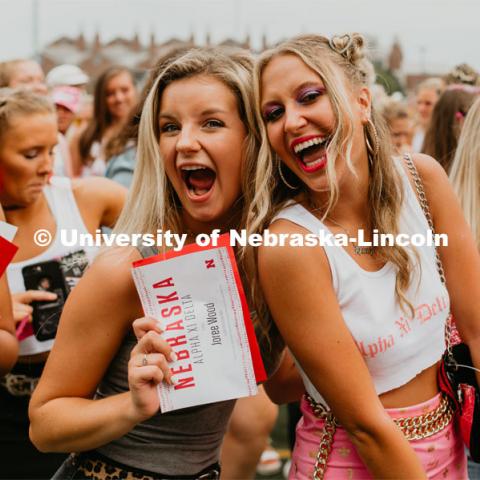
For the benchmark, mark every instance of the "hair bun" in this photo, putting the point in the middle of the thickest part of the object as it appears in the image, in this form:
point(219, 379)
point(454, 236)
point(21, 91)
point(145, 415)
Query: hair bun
point(350, 46)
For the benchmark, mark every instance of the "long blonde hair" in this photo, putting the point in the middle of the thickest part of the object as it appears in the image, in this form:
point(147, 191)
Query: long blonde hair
point(152, 202)
point(340, 63)
point(465, 172)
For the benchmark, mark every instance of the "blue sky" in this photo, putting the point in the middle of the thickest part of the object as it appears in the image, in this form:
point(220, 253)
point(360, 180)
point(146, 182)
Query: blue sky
point(436, 34)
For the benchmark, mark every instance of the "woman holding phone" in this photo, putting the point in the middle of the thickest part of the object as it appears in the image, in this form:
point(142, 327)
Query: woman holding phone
point(34, 201)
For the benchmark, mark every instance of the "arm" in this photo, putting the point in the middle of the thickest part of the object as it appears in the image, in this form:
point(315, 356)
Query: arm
point(8, 340)
point(63, 416)
point(100, 201)
point(314, 330)
point(460, 259)
point(285, 385)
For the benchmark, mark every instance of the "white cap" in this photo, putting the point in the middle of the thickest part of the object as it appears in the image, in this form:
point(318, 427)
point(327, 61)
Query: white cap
point(66, 75)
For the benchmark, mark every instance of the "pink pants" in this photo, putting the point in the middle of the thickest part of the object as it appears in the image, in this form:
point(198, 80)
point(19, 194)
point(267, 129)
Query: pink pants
point(442, 455)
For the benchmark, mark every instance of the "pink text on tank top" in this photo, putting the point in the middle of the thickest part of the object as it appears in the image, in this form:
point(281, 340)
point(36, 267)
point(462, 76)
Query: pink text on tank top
point(405, 325)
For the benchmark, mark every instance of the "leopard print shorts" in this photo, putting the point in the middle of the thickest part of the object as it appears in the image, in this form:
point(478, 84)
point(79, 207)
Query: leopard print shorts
point(95, 469)
point(93, 466)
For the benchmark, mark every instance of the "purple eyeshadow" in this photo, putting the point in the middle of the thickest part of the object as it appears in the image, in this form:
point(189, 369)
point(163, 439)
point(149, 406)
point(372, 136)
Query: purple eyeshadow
point(268, 110)
point(308, 90)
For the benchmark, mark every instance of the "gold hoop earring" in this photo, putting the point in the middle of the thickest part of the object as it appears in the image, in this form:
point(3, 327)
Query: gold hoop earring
point(279, 166)
point(372, 130)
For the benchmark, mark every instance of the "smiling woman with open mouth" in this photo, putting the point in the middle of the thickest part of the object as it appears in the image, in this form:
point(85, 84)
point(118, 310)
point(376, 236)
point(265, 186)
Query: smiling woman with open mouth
point(352, 316)
point(196, 141)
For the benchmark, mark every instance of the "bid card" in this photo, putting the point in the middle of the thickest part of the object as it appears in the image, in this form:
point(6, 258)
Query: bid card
point(197, 297)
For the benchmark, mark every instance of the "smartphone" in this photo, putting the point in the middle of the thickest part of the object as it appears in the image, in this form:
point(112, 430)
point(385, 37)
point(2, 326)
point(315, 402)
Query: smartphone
point(46, 276)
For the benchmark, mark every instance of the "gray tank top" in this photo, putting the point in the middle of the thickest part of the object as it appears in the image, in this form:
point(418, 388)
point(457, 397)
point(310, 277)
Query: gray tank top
point(182, 442)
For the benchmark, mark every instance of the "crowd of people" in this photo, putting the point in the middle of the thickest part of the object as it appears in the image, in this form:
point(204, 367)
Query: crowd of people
point(295, 140)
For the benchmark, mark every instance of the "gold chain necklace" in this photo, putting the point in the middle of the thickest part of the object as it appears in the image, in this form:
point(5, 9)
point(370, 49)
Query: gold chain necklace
point(358, 250)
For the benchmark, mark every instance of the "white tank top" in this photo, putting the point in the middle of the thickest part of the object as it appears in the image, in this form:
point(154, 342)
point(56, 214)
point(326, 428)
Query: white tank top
point(395, 348)
point(62, 204)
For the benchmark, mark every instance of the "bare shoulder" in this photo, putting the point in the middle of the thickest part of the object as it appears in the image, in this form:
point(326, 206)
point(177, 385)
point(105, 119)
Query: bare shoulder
point(115, 265)
point(428, 168)
point(434, 180)
point(85, 188)
point(290, 259)
point(100, 200)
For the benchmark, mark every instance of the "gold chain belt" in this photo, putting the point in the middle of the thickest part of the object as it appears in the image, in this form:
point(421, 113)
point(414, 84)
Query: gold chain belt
point(427, 424)
point(414, 428)
point(19, 385)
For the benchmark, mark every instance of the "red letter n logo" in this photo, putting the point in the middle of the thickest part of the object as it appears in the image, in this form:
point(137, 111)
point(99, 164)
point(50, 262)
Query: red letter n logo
point(209, 264)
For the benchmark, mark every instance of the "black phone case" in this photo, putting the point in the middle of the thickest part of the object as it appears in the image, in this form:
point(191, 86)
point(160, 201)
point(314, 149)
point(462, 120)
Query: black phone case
point(46, 276)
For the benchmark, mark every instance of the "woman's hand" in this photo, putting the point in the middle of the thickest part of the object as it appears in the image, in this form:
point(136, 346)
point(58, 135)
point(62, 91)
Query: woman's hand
point(21, 303)
point(143, 325)
point(148, 366)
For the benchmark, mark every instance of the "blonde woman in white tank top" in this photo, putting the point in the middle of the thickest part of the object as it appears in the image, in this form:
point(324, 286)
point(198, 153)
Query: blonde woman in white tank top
point(32, 200)
point(365, 325)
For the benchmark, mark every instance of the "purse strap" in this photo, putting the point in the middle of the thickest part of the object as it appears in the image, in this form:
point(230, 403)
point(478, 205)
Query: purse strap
point(422, 198)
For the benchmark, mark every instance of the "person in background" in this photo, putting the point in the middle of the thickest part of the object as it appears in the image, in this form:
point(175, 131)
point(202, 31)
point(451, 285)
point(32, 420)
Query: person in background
point(465, 179)
point(67, 102)
point(465, 170)
point(8, 340)
point(115, 96)
point(427, 95)
point(67, 75)
point(446, 124)
point(23, 73)
point(463, 74)
point(400, 124)
point(28, 74)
